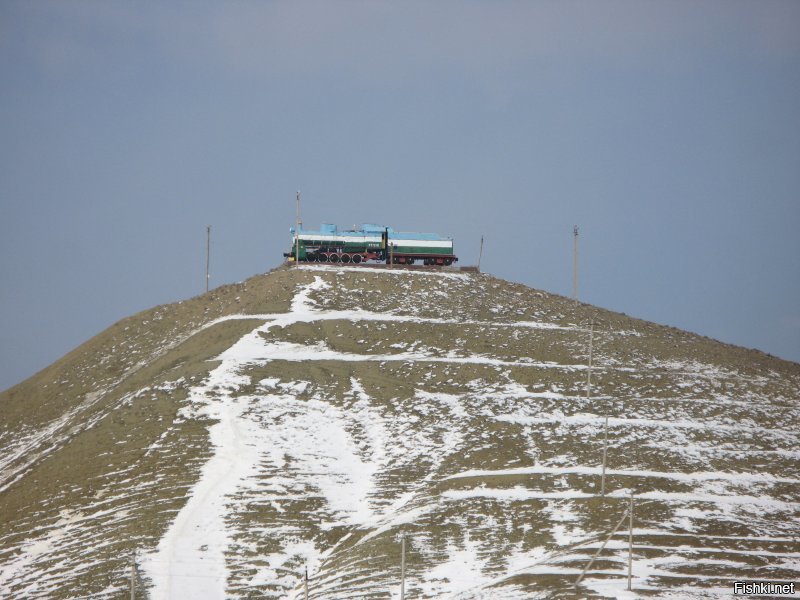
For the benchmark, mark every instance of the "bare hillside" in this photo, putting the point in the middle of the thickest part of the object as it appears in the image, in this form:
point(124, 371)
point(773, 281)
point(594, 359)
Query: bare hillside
point(312, 417)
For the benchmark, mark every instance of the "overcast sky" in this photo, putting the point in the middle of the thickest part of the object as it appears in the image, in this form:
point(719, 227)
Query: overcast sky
point(669, 132)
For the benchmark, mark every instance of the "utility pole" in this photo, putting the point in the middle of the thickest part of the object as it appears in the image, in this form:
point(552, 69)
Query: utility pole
point(480, 255)
point(305, 584)
point(133, 575)
point(630, 544)
point(208, 253)
point(575, 264)
point(298, 224)
point(403, 567)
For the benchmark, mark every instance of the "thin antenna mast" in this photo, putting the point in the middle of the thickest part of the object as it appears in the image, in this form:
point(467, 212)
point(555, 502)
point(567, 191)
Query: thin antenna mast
point(480, 255)
point(298, 219)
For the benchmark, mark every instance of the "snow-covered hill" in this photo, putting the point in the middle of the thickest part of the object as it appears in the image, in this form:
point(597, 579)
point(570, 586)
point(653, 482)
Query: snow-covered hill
point(311, 417)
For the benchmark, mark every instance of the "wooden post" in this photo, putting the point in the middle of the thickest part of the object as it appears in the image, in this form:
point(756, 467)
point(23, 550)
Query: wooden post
point(480, 255)
point(403, 567)
point(305, 585)
point(391, 255)
point(630, 543)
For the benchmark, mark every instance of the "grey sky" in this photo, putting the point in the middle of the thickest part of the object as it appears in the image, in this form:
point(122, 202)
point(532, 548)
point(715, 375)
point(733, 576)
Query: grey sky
point(668, 131)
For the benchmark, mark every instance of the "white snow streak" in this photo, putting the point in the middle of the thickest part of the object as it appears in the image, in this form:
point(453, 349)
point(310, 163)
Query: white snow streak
point(580, 470)
point(274, 427)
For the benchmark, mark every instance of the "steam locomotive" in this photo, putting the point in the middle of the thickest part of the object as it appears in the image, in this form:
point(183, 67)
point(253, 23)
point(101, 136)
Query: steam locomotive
point(370, 243)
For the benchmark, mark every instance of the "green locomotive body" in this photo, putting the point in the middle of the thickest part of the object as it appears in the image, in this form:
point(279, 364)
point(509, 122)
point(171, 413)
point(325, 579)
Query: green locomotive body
point(369, 244)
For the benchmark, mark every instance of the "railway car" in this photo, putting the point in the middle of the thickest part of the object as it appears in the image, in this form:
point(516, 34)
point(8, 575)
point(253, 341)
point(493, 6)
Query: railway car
point(371, 243)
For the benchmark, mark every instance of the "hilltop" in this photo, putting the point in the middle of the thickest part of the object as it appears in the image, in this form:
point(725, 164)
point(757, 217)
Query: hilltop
point(311, 416)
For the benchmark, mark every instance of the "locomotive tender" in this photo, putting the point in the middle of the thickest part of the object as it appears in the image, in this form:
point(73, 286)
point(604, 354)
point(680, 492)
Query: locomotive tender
point(370, 243)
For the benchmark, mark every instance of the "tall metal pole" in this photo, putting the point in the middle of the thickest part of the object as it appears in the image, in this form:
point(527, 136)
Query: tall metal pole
point(575, 264)
point(480, 255)
point(305, 585)
point(208, 253)
point(403, 567)
point(630, 544)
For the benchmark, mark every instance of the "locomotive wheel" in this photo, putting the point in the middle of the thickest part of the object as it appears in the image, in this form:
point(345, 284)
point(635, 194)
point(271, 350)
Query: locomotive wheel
point(356, 258)
point(345, 258)
point(448, 261)
point(334, 258)
point(323, 258)
point(409, 261)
